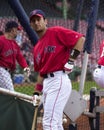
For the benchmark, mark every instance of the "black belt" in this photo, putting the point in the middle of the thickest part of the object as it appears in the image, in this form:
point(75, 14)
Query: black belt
point(99, 66)
point(48, 75)
point(7, 69)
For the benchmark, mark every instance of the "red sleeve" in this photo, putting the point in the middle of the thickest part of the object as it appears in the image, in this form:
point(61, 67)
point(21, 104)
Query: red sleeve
point(68, 37)
point(101, 48)
point(101, 53)
point(1, 45)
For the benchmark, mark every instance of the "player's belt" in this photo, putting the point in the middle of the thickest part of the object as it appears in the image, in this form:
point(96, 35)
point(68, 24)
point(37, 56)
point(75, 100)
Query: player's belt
point(7, 69)
point(52, 74)
point(48, 75)
point(99, 66)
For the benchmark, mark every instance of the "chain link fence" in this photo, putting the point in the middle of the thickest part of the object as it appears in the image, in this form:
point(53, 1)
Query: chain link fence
point(62, 13)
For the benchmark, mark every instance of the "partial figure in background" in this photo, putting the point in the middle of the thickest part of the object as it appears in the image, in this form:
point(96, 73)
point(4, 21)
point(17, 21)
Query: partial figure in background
point(10, 54)
point(54, 56)
point(27, 50)
point(19, 39)
point(26, 77)
point(99, 71)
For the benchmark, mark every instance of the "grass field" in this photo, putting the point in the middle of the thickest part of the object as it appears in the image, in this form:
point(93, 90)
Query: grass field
point(28, 88)
point(88, 85)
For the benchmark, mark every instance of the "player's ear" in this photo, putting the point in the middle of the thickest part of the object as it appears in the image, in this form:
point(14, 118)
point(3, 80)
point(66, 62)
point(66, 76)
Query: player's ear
point(12, 30)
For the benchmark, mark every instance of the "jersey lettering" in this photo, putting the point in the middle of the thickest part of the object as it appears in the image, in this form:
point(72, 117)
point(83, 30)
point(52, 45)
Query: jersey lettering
point(10, 52)
point(50, 49)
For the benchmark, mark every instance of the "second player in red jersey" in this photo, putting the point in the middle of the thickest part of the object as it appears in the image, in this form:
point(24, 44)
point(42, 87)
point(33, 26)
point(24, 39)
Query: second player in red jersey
point(10, 54)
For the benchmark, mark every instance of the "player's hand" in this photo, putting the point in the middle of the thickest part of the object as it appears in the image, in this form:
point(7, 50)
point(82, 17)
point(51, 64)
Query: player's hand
point(68, 67)
point(36, 99)
point(27, 70)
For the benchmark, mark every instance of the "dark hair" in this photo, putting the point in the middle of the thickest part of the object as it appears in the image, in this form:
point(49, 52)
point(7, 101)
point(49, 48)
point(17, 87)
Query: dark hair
point(9, 25)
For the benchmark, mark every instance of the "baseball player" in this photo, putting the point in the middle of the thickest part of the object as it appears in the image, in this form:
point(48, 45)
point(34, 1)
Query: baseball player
point(54, 56)
point(9, 55)
point(99, 71)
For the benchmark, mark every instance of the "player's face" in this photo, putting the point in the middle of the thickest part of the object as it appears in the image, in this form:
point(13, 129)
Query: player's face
point(38, 24)
point(14, 32)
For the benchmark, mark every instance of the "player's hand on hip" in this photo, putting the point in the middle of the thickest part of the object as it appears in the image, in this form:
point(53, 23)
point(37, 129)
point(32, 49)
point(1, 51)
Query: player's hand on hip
point(68, 67)
point(27, 70)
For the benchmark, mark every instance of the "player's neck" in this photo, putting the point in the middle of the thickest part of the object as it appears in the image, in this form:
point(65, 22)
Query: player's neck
point(41, 33)
point(8, 36)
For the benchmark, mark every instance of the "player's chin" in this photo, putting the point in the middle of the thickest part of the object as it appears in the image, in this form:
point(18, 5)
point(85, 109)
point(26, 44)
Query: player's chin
point(39, 30)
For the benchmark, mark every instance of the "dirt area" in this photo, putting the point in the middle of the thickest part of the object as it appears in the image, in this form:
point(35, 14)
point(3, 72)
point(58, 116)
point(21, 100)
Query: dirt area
point(82, 122)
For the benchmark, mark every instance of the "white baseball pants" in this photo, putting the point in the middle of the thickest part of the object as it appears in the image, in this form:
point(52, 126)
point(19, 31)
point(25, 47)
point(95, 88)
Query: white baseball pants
point(5, 79)
point(98, 76)
point(56, 91)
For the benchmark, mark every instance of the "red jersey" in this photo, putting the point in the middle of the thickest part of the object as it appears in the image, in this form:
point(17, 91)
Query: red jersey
point(53, 49)
point(101, 58)
point(10, 53)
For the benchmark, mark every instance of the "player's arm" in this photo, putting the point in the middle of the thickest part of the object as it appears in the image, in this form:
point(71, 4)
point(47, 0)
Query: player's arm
point(37, 90)
point(22, 61)
point(38, 85)
point(68, 67)
point(77, 48)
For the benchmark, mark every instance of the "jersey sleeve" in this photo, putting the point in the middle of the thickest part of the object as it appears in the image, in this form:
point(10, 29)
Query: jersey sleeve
point(1, 45)
point(101, 54)
point(68, 37)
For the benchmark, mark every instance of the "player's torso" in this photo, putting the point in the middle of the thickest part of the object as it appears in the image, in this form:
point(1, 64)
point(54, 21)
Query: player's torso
point(8, 52)
point(50, 54)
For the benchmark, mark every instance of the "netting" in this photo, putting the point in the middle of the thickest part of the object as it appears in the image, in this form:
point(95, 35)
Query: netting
point(61, 13)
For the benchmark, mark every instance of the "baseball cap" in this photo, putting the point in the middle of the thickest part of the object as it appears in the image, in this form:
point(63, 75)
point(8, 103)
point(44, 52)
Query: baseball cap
point(12, 24)
point(37, 12)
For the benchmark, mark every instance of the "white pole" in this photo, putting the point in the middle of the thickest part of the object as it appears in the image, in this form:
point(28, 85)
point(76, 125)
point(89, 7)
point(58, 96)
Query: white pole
point(65, 8)
point(83, 73)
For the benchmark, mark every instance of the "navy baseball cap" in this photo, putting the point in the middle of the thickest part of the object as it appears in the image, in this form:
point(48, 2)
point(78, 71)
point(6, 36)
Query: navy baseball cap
point(12, 24)
point(37, 12)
